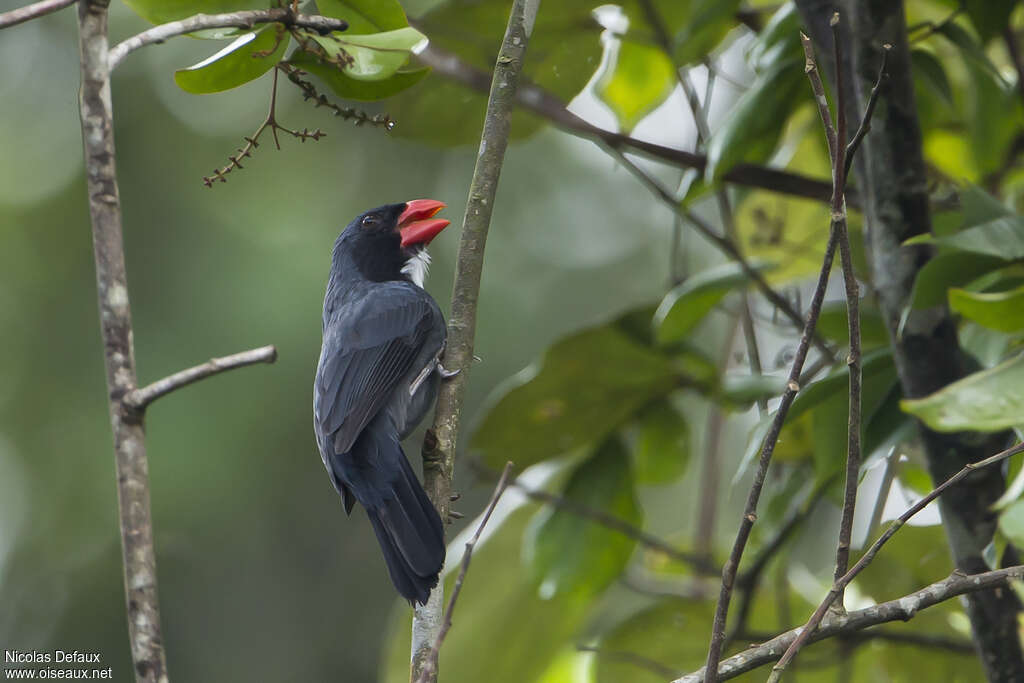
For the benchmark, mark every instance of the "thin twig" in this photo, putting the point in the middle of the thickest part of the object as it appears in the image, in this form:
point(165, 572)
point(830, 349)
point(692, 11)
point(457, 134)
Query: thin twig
point(865, 560)
point(836, 137)
point(246, 19)
point(430, 667)
point(33, 11)
point(747, 581)
point(439, 445)
point(311, 94)
point(252, 141)
point(869, 111)
point(901, 609)
point(140, 398)
point(767, 449)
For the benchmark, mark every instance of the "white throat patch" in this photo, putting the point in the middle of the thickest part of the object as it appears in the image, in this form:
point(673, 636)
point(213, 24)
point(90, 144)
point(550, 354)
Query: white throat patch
point(417, 267)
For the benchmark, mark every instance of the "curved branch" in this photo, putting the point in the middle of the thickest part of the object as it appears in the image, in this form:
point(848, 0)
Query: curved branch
point(140, 398)
point(33, 11)
point(244, 19)
point(901, 609)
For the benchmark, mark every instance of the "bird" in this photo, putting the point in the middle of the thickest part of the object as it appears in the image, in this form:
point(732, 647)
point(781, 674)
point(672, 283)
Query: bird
point(378, 375)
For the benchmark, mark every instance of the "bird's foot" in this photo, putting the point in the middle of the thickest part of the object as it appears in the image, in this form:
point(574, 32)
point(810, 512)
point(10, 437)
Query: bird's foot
point(455, 515)
point(454, 497)
point(446, 374)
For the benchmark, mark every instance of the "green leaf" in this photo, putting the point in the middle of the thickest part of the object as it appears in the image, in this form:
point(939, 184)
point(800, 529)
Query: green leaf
point(636, 82)
point(585, 386)
point(687, 304)
point(990, 17)
point(236, 64)
point(985, 401)
point(1002, 311)
point(352, 89)
point(569, 554)
point(994, 118)
point(664, 634)
point(779, 40)
point(365, 16)
point(754, 125)
point(702, 24)
point(373, 56)
point(163, 11)
point(744, 390)
point(930, 70)
point(661, 444)
point(1001, 237)
point(950, 269)
point(1011, 523)
point(972, 51)
point(978, 206)
point(832, 324)
point(480, 645)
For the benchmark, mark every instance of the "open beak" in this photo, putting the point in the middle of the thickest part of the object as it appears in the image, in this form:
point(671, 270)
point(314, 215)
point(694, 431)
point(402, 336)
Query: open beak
point(417, 224)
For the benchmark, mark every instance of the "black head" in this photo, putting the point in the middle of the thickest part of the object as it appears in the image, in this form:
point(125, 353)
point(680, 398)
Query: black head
point(379, 242)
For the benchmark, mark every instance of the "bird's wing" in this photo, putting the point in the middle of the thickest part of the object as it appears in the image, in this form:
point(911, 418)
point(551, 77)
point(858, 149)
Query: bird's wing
point(369, 346)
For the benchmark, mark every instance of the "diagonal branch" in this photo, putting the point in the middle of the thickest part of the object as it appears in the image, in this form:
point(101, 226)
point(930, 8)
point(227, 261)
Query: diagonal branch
point(140, 398)
point(808, 630)
point(33, 11)
point(430, 668)
point(901, 609)
point(439, 446)
point(246, 20)
point(550, 107)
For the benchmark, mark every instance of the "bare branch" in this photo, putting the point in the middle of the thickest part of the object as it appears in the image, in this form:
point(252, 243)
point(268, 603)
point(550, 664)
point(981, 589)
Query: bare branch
point(865, 124)
point(132, 468)
point(901, 609)
point(550, 107)
point(868, 556)
point(140, 398)
point(246, 20)
point(429, 670)
point(33, 11)
point(439, 446)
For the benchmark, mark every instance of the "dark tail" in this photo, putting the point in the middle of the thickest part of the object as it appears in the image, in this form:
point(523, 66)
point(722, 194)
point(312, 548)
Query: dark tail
point(408, 527)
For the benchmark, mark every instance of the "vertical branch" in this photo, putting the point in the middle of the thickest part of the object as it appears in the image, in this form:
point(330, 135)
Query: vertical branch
point(116, 327)
point(439, 446)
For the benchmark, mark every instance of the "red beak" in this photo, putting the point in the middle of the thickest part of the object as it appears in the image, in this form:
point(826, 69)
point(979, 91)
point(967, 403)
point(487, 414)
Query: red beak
point(417, 224)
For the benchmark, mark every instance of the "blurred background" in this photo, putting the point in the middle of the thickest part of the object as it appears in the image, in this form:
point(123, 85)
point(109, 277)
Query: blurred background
point(261, 575)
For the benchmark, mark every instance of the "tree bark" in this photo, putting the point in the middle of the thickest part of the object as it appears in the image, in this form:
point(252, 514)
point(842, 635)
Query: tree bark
point(925, 345)
point(116, 326)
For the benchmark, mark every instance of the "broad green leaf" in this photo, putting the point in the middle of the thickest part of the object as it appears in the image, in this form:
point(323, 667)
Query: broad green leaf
point(687, 304)
point(985, 401)
point(972, 51)
point(569, 554)
point(990, 17)
point(994, 118)
point(352, 89)
point(236, 64)
point(987, 346)
point(1002, 238)
point(699, 25)
point(373, 56)
point(950, 269)
point(931, 72)
point(833, 325)
point(480, 645)
point(661, 444)
point(365, 16)
point(754, 124)
point(636, 83)
point(744, 390)
point(1002, 311)
point(779, 40)
point(586, 386)
point(163, 11)
point(664, 634)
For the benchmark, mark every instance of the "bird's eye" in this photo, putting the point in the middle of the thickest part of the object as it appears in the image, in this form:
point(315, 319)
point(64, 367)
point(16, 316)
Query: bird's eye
point(370, 221)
